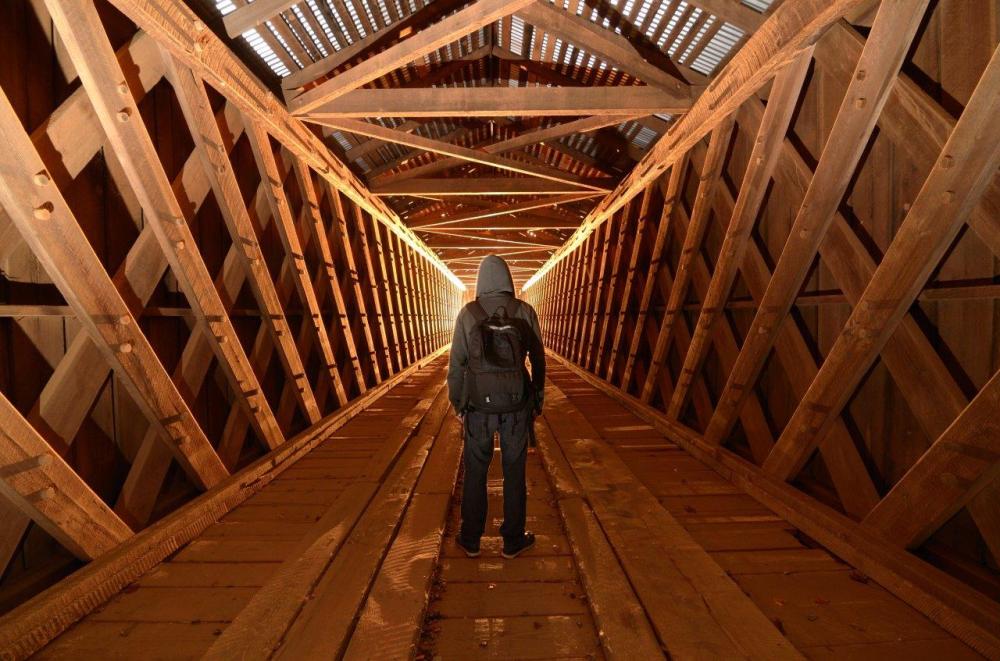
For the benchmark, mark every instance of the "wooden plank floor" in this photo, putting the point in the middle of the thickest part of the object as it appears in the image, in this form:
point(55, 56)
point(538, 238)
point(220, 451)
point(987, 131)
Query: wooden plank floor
point(532, 607)
point(178, 610)
point(657, 552)
point(822, 605)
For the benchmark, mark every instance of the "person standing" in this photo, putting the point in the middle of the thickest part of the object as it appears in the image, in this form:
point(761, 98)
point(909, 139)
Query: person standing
point(492, 393)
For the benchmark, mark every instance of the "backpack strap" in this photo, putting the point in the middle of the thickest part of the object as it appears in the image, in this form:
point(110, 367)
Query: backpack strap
point(478, 311)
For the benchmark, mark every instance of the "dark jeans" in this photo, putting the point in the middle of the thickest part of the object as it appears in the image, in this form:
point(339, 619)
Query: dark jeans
point(479, 430)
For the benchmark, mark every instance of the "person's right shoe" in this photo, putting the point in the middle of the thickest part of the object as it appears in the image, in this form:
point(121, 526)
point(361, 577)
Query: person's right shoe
point(513, 549)
point(470, 550)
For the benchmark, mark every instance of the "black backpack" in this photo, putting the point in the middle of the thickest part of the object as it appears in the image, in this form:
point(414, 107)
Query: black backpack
point(495, 376)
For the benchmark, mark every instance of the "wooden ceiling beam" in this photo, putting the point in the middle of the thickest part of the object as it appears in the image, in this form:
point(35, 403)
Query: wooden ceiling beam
point(480, 186)
point(509, 224)
point(472, 241)
point(606, 44)
point(502, 210)
point(384, 171)
point(457, 151)
point(360, 48)
point(501, 102)
point(527, 138)
point(249, 16)
point(427, 40)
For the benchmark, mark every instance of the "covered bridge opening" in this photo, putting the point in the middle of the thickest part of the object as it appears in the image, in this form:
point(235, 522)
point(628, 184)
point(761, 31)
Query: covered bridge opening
point(761, 237)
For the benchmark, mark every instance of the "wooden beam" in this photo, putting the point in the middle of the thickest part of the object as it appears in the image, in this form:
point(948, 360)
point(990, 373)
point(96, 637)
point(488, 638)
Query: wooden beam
point(404, 315)
point(501, 102)
point(448, 149)
point(718, 148)
point(68, 396)
point(49, 227)
point(675, 181)
point(321, 238)
point(879, 64)
point(370, 277)
point(763, 160)
point(753, 418)
point(361, 47)
point(914, 122)
point(427, 40)
point(81, 29)
point(605, 43)
point(965, 167)
point(792, 27)
point(145, 478)
point(197, 110)
point(957, 467)
point(249, 16)
point(271, 181)
point(625, 300)
point(794, 352)
point(500, 226)
point(446, 240)
point(45, 488)
point(186, 36)
point(481, 186)
point(597, 346)
point(503, 210)
point(339, 229)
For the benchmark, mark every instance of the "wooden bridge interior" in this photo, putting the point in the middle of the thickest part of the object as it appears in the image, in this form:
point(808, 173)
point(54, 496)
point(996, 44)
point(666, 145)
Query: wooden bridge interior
point(762, 237)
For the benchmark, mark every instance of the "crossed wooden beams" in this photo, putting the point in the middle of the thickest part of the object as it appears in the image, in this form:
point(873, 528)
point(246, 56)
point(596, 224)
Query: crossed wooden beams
point(329, 93)
point(596, 316)
point(318, 264)
point(323, 97)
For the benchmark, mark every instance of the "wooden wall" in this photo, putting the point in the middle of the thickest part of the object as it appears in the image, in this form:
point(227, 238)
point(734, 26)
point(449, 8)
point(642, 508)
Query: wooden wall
point(396, 306)
point(957, 312)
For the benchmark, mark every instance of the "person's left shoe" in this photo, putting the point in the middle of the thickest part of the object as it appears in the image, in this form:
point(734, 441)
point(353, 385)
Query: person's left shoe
point(513, 549)
point(471, 551)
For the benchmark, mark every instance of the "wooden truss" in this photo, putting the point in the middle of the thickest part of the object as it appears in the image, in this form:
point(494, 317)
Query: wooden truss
point(644, 297)
point(326, 294)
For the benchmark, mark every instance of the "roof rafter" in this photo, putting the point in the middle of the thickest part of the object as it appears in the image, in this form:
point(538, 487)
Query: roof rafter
point(500, 102)
point(442, 33)
point(455, 151)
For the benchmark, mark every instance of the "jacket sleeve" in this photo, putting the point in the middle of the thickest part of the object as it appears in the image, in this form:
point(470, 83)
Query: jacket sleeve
point(536, 356)
point(458, 358)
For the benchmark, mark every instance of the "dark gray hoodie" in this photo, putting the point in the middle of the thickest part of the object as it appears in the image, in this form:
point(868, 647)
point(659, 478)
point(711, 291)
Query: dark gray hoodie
point(494, 288)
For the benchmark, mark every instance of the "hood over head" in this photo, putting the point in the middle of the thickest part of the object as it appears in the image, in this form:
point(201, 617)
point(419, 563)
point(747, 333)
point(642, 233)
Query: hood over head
point(494, 277)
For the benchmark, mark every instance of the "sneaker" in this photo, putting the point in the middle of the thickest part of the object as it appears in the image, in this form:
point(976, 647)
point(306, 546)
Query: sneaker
point(470, 550)
point(513, 549)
